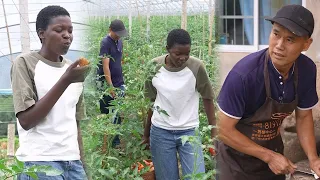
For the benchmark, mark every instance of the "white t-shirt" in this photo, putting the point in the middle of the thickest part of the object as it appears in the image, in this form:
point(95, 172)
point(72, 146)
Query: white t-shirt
point(55, 137)
point(175, 92)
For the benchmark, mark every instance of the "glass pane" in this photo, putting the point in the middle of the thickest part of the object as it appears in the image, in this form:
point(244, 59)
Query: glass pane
point(264, 31)
point(219, 8)
point(221, 33)
point(244, 7)
point(240, 35)
point(229, 7)
point(237, 32)
point(248, 31)
point(230, 31)
point(235, 26)
point(269, 8)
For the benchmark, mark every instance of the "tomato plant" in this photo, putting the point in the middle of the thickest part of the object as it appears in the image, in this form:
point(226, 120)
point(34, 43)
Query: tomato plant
point(105, 162)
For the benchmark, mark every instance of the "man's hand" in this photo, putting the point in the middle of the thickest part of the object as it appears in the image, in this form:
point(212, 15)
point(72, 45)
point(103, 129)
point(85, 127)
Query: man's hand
point(235, 139)
point(280, 164)
point(76, 74)
point(112, 93)
point(305, 130)
point(315, 166)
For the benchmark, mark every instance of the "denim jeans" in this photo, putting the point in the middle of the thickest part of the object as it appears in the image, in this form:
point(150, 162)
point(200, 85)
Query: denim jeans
point(104, 108)
point(72, 170)
point(165, 144)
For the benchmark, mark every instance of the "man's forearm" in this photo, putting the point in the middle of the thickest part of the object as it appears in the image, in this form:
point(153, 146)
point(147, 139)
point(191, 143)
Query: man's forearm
point(106, 70)
point(243, 144)
point(238, 141)
point(305, 131)
point(209, 109)
point(107, 75)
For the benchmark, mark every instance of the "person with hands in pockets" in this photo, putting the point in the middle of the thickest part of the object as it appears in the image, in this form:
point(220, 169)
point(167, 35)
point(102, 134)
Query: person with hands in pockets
point(259, 92)
point(48, 100)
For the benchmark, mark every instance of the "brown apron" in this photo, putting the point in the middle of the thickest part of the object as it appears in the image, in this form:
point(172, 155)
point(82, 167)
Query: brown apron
point(264, 129)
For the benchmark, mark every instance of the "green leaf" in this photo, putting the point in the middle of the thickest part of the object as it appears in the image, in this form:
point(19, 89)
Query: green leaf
point(33, 175)
point(8, 170)
point(157, 108)
point(3, 161)
point(209, 174)
point(1, 173)
point(135, 133)
point(125, 172)
point(103, 172)
point(53, 172)
point(211, 127)
point(19, 163)
point(129, 144)
point(112, 158)
point(184, 139)
point(135, 171)
point(164, 112)
point(16, 169)
point(48, 170)
point(2, 166)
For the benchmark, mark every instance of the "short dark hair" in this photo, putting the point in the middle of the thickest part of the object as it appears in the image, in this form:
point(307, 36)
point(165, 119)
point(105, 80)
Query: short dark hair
point(46, 14)
point(178, 36)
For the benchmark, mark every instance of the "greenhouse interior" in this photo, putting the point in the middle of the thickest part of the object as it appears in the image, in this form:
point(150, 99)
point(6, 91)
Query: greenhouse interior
point(124, 99)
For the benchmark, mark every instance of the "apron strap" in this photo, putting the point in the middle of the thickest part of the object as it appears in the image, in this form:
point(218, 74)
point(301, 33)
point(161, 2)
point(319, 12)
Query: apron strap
point(295, 81)
point(266, 74)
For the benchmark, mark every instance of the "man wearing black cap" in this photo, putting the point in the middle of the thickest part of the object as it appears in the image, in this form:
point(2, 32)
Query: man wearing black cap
point(259, 92)
point(110, 69)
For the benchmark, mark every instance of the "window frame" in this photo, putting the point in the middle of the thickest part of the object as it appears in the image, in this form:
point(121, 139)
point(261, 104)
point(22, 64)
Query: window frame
point(256, 46)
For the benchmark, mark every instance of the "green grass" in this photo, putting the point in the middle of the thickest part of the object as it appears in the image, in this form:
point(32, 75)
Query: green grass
point(6, 104)
point(6, 113)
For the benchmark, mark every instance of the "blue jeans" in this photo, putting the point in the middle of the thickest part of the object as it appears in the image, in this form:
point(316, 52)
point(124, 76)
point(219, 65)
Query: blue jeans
point(104, 108)
point(165, 144)
point(72, 170)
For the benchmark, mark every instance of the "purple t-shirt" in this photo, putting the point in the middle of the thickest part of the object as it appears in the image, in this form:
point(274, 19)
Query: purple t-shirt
point(243, 91)
point(112, 49)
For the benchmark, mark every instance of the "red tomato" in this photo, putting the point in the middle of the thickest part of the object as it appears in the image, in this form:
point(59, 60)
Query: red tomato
point(212, 151)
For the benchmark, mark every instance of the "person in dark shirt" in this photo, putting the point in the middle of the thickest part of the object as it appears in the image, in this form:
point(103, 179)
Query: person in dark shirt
point(259, 92)
point(110, 69)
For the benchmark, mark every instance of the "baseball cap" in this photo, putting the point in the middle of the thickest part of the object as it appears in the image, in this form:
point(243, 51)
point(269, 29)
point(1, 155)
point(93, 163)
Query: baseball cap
point(117, 27)
point(295, 18)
